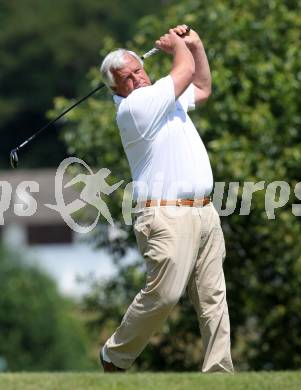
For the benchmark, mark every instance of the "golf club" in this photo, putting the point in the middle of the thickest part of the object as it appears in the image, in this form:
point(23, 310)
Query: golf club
point(14, 152)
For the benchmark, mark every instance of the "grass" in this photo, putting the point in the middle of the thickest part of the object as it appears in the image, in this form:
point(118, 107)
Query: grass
point(286, 380)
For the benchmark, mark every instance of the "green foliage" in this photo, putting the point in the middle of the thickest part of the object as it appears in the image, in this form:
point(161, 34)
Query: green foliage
point(46, 48)
point(251, 128)
point(39, 330)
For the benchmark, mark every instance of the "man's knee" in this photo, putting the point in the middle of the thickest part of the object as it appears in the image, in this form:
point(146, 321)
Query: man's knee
point(163, 300)
point(169, 298)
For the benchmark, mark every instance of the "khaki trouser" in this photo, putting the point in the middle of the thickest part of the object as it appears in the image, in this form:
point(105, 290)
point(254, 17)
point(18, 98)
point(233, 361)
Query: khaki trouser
point(183, 248)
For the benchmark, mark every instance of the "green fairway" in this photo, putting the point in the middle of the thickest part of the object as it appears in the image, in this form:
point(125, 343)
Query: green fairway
point(175, 381)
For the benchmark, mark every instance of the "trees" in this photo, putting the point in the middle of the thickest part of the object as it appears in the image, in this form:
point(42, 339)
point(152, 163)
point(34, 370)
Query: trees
point(46, 49)
point(250, 126)
point(39, 330)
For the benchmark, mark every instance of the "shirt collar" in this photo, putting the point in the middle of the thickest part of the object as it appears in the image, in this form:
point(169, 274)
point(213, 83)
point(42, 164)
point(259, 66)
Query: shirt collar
point(117, 99)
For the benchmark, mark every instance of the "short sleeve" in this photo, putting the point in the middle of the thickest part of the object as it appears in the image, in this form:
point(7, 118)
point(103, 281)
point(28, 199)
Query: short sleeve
point(150, 106)
point(187, 99)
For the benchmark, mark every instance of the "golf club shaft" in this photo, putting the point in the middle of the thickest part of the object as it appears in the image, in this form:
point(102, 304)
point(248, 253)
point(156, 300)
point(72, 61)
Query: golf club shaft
point(60, 116)
point(151, 52)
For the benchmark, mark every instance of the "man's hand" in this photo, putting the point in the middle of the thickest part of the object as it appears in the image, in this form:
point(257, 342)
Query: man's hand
point(191, 38)
point(169, 42)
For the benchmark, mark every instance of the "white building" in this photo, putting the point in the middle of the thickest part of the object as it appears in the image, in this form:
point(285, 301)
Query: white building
point(44, 236)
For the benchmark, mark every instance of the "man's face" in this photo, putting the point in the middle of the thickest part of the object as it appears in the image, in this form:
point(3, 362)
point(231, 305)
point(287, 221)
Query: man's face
point(130, 77)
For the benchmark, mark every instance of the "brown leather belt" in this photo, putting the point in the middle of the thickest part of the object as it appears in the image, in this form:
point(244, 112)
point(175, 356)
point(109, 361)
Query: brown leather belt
point(177, 202)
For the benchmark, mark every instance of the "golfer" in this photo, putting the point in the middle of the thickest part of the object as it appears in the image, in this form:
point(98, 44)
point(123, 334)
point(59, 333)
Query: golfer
point(177, 228)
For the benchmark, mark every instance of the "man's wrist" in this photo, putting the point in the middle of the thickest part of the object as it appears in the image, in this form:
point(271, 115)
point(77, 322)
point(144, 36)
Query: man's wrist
point(180, 45)
point(197, 45)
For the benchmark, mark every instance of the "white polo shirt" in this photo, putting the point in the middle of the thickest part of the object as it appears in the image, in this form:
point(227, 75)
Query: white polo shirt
point(167, 157)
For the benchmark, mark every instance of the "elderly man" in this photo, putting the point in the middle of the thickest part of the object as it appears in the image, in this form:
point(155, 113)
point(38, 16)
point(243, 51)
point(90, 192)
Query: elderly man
point(177, 228)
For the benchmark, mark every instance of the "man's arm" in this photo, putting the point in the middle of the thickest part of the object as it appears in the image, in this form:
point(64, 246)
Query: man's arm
point(202, 75)
point(183, 66)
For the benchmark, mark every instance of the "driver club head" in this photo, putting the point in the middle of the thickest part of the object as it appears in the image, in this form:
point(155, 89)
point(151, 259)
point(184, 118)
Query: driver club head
point(14, 158)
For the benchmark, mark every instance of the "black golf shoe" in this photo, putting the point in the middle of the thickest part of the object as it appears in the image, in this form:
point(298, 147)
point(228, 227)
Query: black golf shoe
point(109, 367)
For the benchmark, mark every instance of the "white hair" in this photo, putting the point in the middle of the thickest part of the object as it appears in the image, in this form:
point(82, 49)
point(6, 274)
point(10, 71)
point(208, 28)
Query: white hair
point(112, 61)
